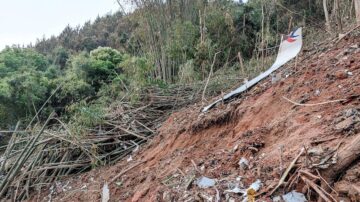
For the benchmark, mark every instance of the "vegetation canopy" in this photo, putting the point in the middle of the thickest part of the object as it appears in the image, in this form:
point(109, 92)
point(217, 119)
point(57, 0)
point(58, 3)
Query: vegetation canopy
point(160, 43)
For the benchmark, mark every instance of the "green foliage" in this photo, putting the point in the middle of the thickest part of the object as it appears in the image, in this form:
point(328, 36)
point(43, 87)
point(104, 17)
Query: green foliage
point(203, 56)
point(138, 71)
point(74, 89)
point(117, 56)
point(85, 116)
point(106, 54)
point(24, 82)
point(188, 74)
point(98, 67)
point(180, 45)
point(115, 90)
point(61, 55)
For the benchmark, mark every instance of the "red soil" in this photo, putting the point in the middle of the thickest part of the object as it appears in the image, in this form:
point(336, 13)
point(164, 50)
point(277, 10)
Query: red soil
point(254, 126)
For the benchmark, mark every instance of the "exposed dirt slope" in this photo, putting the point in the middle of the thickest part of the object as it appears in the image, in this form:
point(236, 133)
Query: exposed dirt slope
point(256, 126)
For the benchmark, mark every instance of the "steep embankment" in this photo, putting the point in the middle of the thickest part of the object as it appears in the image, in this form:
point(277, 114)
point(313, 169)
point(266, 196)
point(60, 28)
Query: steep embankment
point(262, 127)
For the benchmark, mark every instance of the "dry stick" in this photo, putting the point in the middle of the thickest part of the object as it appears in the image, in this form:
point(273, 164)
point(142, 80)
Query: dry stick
point(36, 112)
point(126, 170)
point(73, 165)
point(322, 179)
point(326, 193)
point(145, 126)
point(21, 159)
point(210, 74)
point(347, 33)
point(13, 131)
point(292, 164)
point(313, 104)
point(281, 159)
point(292, 179)
point(305, 172)
point(316, 188)
point(241, 64)
point(324, 140)
point(127, 131)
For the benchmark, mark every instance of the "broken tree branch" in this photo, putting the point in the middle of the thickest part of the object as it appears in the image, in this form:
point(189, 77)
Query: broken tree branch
point(315, 188)
point(126, 170)
point(313, 104)
point(287, 171)
point(210, 74)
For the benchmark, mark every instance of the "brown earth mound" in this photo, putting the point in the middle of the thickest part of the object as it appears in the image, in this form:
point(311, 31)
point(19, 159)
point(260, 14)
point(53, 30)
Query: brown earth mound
point(315, 106)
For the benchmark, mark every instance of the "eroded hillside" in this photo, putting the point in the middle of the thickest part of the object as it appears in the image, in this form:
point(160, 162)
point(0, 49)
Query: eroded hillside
point(314, 106)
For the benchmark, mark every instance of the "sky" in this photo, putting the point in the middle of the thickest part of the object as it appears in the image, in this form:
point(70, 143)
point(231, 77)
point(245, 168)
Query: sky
point(23, 21)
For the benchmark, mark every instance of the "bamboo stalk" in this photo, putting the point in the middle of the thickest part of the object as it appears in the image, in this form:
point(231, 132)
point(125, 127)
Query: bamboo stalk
point(21, 160)
point(9, 147)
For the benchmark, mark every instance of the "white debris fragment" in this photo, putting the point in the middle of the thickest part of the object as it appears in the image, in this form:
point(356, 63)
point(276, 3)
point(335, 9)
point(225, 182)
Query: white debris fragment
point(243, 163)
point(105, 195)
point(129, 159)
point(277, 199)
point(217, 198)
point(294, 196)
point(236, 190)
point(350, 73)
point(275, 78)
point(51, 191)
point(256, 185)
point(235, 148)
point(205, 182)
point(238, 178)
point(136, 148)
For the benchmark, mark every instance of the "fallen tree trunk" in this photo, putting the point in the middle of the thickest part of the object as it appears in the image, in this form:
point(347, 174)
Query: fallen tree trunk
point(346, 156)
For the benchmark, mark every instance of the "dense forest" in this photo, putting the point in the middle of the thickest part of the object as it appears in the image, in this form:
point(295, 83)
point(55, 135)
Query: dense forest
point(161, 43)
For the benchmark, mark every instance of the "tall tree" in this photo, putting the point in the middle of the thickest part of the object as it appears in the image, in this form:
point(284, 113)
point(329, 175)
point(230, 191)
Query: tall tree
point(327, 19)
point(357, 11)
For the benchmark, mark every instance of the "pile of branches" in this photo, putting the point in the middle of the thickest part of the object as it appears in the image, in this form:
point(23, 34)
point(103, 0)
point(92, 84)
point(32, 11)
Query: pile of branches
point(43, 153)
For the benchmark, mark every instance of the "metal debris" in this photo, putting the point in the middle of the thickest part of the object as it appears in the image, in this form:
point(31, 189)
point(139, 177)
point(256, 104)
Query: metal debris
point(294, 196)
point(277, 199)
point(256, 185)
point(105, 194)
point(243, 163)
point(205, 182)
point(236, 190)
point(129, 159)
